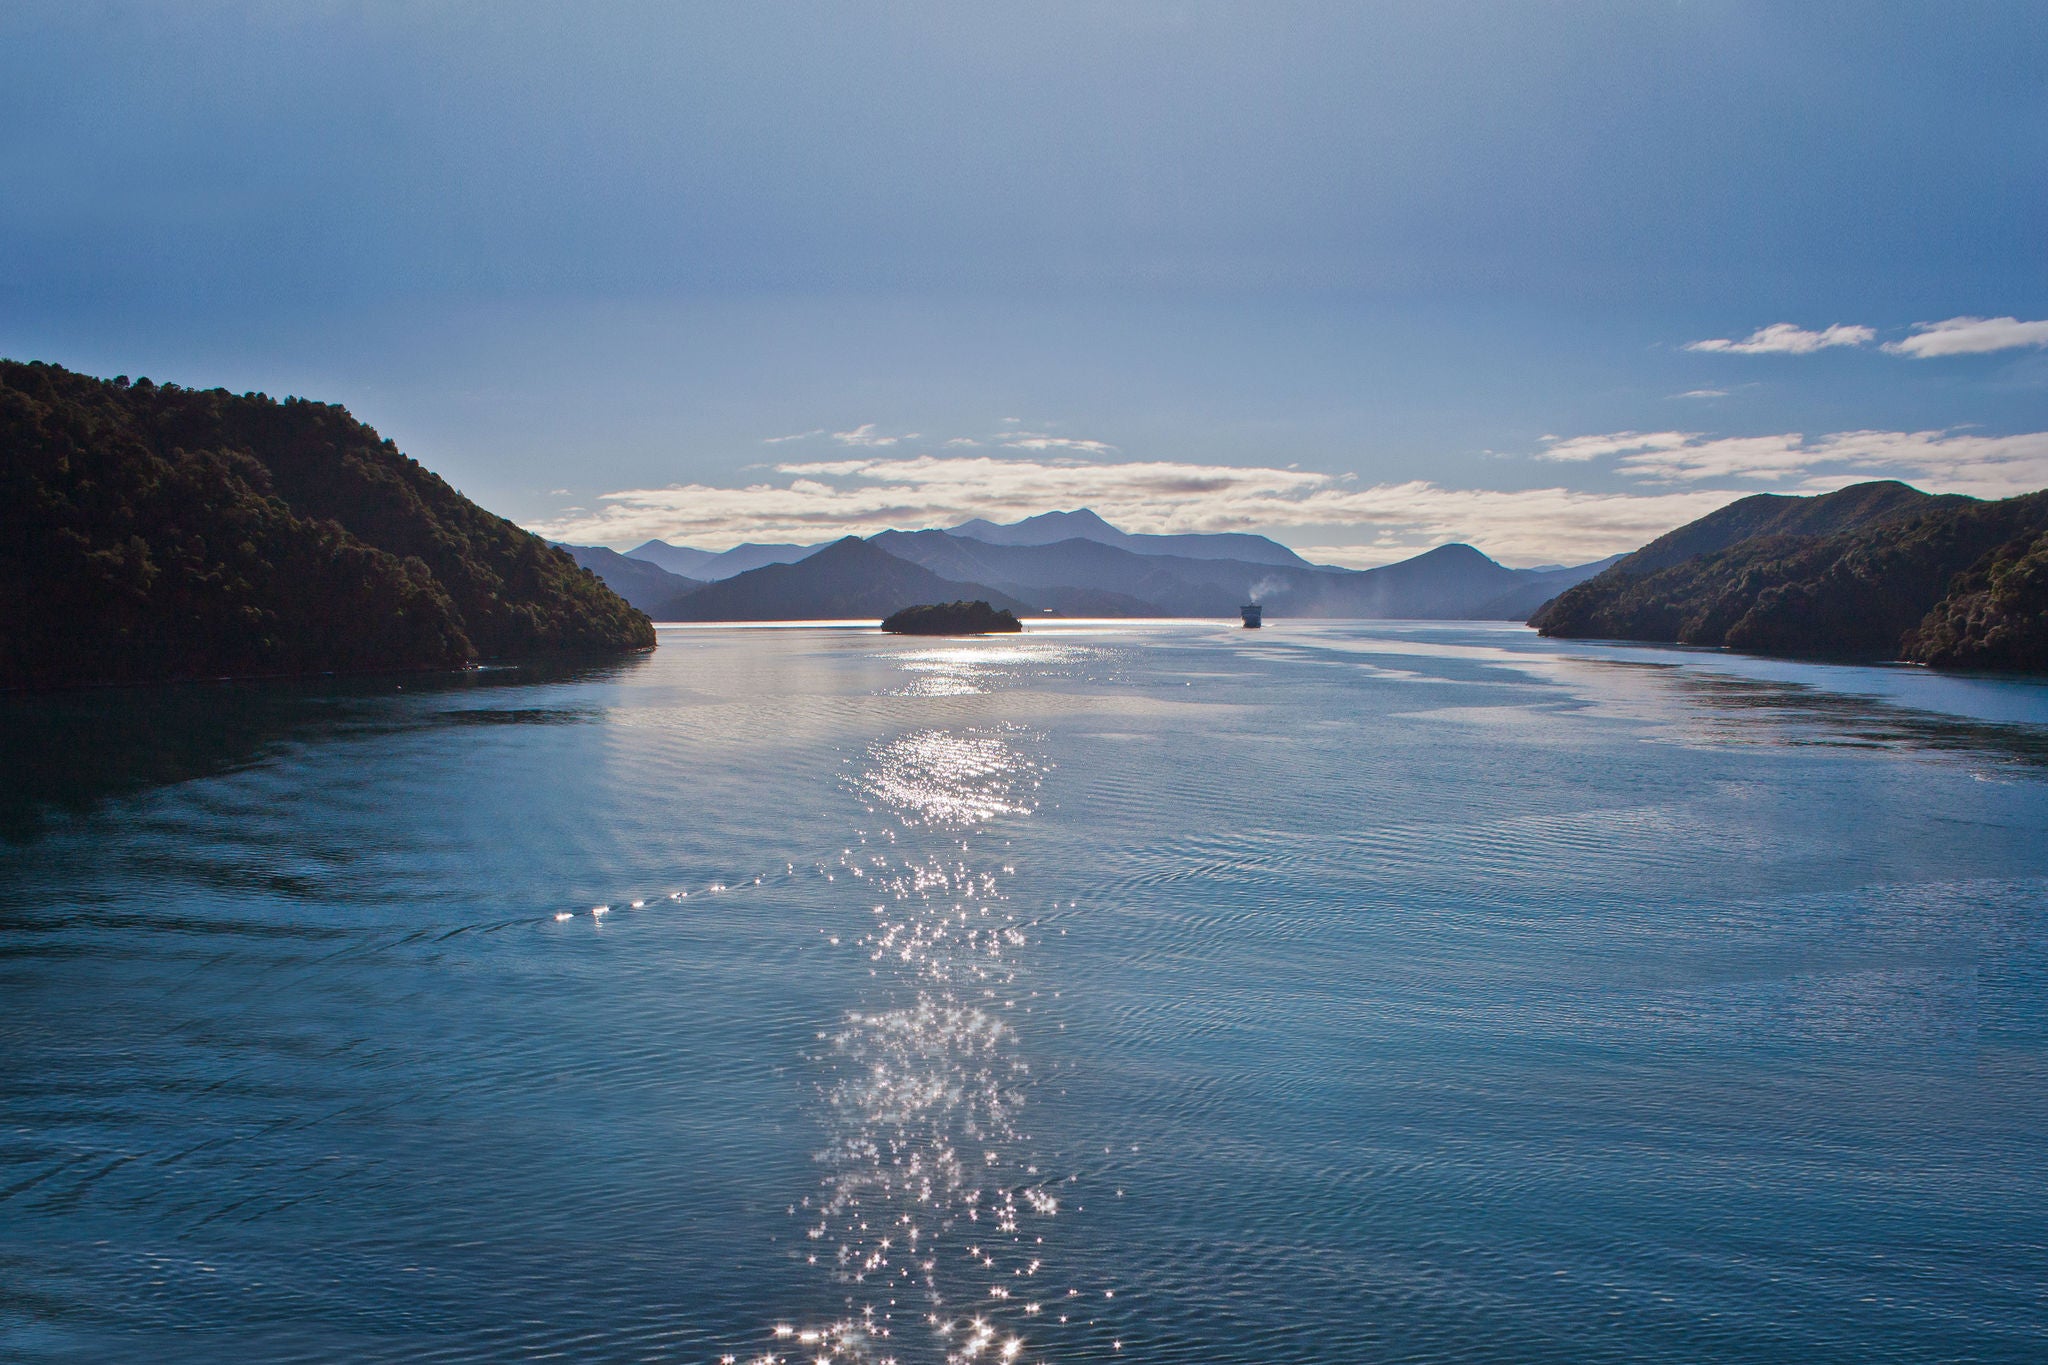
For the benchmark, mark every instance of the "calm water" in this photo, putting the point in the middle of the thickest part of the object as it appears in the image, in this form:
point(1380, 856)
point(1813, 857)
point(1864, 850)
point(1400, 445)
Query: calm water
point(1347, 992)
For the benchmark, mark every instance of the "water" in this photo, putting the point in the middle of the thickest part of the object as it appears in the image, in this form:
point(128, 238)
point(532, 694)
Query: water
point(1163, 993)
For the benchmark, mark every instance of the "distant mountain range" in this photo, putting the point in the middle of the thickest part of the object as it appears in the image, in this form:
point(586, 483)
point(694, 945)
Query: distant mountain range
point(1048, 528)
point(152, 532)
point(1877, 571)
point(1071, 563)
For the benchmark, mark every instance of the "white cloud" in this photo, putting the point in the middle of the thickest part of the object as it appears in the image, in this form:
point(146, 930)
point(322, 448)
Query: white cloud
point(1579, 449)
point(1040, 441)
point(1702, 393)
point(863, 435)
point(860, 496)
point(793, 436)
point(1785, 338)
point(1969, 336)
point(1940, 461)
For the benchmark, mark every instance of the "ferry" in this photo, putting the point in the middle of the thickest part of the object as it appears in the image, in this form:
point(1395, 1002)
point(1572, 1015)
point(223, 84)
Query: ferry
point(1253, 615)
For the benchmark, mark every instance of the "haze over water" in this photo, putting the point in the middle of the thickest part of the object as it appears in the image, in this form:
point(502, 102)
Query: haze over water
point(1139, 992)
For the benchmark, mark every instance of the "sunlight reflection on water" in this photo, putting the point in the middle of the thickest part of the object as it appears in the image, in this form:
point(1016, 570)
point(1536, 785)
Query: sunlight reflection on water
point(934, 1213)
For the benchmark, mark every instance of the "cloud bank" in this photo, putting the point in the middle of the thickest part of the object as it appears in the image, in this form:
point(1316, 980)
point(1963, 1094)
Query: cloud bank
point(1940, 461)
point(1682, 474)
point(814, 500)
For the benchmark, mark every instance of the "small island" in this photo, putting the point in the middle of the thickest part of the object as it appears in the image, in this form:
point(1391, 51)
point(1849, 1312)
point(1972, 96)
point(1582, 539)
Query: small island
point(952, 618)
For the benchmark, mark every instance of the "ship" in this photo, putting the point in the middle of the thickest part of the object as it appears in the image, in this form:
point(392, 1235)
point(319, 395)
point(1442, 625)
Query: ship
point(1253, 615)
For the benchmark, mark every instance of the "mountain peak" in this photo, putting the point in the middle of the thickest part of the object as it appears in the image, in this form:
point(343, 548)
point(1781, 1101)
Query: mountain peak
point(1455, 552)
point(849, 550)
point(1046, 528)
point(1079, 517)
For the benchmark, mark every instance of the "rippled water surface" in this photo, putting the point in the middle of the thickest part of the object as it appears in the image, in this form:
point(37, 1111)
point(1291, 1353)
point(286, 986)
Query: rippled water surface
point(1165, 993)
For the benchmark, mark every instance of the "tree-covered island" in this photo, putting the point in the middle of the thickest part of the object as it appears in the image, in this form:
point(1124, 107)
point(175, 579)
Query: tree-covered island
point(952, 618)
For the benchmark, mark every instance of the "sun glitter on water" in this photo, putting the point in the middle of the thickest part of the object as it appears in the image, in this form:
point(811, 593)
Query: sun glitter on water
point(933, 1215)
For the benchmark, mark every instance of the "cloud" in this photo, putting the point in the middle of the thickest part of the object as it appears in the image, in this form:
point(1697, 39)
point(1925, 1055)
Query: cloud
point(1941, 461)
point(860, 496)
point(1784, 338)
point(1579, 449)
point(1969, 336)
point(793, 436)
point(1702, 393)
point(863, 435)
point(1040, 441)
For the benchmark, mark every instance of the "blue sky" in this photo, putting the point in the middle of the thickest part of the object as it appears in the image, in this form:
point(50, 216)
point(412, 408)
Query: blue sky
point(1366, 277)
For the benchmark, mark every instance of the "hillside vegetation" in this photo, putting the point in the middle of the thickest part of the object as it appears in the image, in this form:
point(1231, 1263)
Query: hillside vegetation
point(1874, 571)
point(152, 532)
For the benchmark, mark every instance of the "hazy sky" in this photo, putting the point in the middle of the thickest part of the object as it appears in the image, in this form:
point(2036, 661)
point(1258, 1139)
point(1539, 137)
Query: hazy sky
point(1366, 277)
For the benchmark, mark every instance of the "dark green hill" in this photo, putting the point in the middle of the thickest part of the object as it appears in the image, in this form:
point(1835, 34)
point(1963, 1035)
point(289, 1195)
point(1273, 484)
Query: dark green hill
point(1864, 573)
point(1777, 514)
point(1994, 617)
point(151, 532)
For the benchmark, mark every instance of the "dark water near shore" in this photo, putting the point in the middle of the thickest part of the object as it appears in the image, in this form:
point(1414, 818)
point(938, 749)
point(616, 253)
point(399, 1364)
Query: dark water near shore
point(1143, 993)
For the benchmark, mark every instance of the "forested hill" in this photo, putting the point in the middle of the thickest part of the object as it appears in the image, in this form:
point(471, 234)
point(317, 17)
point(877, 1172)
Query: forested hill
point(153, 532)
point(1874, 571)
point(1780, 514)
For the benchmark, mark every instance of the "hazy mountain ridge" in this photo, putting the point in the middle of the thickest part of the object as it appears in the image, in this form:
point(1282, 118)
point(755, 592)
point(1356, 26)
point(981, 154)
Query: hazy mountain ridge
point(1152, 585)
point(1873, 571)
point(1050, 528)
point(848, 579)
point(675, 559)
point(712, 566)
point(154, 532)
point(648, 587)
point(1520, 602)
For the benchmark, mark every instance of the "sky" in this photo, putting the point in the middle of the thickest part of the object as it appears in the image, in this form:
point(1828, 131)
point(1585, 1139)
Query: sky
point(1547, 278)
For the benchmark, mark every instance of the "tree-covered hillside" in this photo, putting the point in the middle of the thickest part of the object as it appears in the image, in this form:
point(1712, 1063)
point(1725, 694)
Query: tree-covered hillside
point(1781, 514)
point(1995, 616)
point(153, 532)
point(1866, 572)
